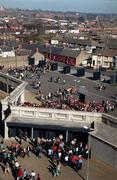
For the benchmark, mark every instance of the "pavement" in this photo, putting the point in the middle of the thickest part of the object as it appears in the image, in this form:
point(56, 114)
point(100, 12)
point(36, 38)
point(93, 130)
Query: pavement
point(97, 169)
point(29, 97)
point(92, 93)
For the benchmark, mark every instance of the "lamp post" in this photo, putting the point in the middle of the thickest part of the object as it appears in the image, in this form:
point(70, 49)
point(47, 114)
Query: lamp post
point(89, 145)
point(75, 83)
point(50, 52)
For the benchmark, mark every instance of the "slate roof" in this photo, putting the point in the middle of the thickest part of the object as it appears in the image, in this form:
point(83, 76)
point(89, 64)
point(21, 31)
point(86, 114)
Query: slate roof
point(53, 50)
point(6, 48)
point(106, 52)
point(81, 42)
point(23, 52)
point(69, 52)
point(112, 43)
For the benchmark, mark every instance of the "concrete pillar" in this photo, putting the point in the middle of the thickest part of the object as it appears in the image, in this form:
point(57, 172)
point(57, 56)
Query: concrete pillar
point(22, 98)
point(5, 131)
point(32, 133)
point(7, 85)
point(66, 138)
point(4, 108)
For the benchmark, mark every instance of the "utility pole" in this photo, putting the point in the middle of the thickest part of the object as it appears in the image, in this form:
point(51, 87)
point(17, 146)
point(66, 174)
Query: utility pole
point(89, 146)
point(50, 52)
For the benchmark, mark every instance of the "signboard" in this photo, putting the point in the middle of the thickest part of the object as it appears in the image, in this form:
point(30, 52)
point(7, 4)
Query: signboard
point(82, 90)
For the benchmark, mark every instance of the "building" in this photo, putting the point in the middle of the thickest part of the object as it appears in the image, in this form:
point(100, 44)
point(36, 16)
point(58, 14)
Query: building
point(47, 123)
point(106, 58)
point(36, 56)
point(59, 54)
point(6, 51)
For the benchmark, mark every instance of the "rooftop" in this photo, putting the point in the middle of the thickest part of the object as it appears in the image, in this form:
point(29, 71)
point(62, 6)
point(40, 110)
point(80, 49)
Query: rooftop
point(54, 50)
point(107, 133)
point(106, 52)
point(48, 124)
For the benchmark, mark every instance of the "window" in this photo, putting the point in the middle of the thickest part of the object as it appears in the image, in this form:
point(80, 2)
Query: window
point(99, 62)
point(105, 63)
point(93, 63)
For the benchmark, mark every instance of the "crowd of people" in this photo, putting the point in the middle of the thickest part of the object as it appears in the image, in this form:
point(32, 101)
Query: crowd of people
point(10, 164)
point(73, 154)
point(66, 100)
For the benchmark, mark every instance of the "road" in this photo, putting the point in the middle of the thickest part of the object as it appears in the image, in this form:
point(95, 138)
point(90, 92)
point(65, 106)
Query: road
point(91, 86)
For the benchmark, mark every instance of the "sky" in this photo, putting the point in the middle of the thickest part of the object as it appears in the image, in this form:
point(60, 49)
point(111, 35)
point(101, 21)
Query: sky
point(94, 6)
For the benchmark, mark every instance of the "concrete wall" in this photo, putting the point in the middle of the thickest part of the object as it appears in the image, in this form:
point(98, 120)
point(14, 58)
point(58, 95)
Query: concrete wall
point(54, 114)
point(16, 96)
point(14, 61)
point(104, 151)
point(109, 120)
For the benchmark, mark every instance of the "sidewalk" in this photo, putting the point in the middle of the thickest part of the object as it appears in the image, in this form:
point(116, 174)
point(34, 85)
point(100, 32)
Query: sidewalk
point(97, 169)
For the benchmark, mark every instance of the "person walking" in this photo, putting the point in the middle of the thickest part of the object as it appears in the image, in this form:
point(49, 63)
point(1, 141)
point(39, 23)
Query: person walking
point(51, 79)
point(57, 170)
point(25, 174)
point(7, 168)
point(64, 82)
point(28, 151)
point(38, 177)
point(19, 173)
point(33, 175)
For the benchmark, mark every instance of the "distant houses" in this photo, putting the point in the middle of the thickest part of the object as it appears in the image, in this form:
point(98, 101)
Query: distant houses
point(106, 58)
point(6, 51)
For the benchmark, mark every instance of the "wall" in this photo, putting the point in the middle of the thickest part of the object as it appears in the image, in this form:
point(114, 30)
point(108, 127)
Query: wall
point(102, 60)
point(54, 114)
point(14, 61)
point(109, 120)
point(82, 57)
point(38, 56)
point(16, 96)
point(104, 151)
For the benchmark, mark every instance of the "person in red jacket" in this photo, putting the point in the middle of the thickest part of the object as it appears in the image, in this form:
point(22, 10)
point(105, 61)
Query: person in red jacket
point(38, 177)
point(19, 173)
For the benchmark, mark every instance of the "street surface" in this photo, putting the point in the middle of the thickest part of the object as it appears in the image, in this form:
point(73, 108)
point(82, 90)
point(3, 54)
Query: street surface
point(97, 169)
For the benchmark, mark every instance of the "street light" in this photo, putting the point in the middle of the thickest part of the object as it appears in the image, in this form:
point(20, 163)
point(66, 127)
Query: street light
point(75, 84)
point(50, 53)
point(89, 146)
